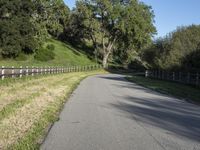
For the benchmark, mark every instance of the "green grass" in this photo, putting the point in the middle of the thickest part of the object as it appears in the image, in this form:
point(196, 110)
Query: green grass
point(175, 89)
point(65, 55)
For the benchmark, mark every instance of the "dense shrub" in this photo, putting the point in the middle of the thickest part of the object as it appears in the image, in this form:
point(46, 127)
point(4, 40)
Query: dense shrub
point(16, 29)
point(50, 47)
point(44, 54)
point(178, 50)
point(21, 57)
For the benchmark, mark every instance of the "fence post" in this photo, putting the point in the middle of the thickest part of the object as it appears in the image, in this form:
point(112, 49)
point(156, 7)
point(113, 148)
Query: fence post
point(163, 74)
point(41, 70)
point(32, 71)
point(20, 72)
point(26, 70)
point(2, 72)
point(13, 72)
point(49, 70)
point(37, 70)
point(173, 76)
point(146, 73)
point(188, 77)
point(197, 79)
point(180, 74)
point(45, 70)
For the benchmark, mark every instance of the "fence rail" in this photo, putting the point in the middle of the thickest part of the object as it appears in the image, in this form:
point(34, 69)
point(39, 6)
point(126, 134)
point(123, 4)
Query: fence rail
point(182, 77)
point(14, 72)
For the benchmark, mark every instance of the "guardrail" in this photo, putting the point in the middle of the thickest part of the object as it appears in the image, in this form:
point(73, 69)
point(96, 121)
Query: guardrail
point(182, 77)
point(14, 72)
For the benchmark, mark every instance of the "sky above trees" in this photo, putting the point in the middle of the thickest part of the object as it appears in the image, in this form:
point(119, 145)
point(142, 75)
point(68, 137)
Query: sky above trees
point(169, 13)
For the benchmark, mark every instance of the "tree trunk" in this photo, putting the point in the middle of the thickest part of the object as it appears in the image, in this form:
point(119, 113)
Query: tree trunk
point(107, 51)
point(105, 61)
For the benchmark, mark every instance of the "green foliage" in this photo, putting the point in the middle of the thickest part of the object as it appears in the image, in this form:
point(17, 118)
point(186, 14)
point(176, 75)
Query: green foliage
point(21, 57)
point(16, 30)
point(51, 17)
point(112, 25)
point(50, 47)
point(178, 50)
point(44, 54)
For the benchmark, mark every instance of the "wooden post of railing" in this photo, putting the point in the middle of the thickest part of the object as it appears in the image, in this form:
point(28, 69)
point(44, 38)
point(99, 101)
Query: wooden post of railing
point(2, 72)
point(173, 76)
point(37, 70)
point(26, 70)
point(20, 72)
point(180, 74)
point(13, 72)
point(163, 74)
point(188, 77)
point(41, 70)
point(146, 73)
point(197, 79)
point(32, 71)
point(45, 70)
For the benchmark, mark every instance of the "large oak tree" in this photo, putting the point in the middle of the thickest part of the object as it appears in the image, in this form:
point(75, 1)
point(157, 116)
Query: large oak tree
point(113, 24)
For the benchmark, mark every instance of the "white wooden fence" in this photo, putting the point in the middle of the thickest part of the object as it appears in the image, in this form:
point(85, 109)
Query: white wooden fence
point(14, 72)
point(182, 77)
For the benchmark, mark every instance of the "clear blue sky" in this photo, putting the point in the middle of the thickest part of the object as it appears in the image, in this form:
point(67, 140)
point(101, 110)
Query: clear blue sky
point(169, 14)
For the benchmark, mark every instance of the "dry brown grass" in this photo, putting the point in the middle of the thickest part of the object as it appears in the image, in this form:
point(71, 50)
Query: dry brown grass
point(50, 89)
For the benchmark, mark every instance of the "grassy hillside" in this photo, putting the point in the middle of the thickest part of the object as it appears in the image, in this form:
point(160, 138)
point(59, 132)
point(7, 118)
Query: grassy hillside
point(65, 55)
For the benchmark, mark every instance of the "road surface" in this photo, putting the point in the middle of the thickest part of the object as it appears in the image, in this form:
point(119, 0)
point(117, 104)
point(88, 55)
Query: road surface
point(106, 112)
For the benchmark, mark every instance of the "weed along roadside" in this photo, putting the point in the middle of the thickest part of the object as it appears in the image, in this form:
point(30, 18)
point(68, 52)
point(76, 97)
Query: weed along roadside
point(29, 107)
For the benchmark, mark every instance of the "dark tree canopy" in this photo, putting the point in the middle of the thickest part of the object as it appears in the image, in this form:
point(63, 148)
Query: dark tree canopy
point(16, 30)
point(179, 49)
point(26, 24)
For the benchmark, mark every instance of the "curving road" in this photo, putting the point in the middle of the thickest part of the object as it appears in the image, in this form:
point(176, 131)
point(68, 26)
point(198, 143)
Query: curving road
point(106, 112)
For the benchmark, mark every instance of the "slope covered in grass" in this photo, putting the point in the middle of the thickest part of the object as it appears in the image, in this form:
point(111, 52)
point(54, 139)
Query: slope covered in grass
point(65, 55)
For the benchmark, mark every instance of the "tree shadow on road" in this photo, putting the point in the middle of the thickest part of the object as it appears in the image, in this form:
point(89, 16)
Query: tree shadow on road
point(173, 116)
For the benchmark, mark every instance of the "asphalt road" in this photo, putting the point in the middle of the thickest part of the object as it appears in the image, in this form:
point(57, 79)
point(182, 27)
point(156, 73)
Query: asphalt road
point(106, 112)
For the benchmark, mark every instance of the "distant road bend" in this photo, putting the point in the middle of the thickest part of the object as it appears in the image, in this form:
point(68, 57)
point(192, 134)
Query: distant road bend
point(106, 112)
